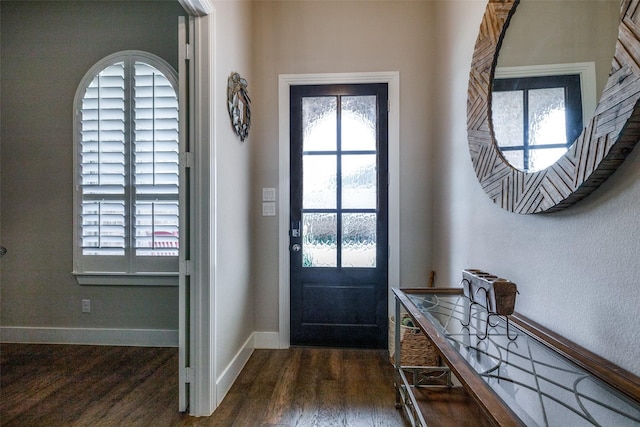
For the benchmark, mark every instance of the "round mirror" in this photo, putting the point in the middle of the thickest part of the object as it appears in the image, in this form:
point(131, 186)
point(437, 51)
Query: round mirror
point(603, 143)
point(554, 61)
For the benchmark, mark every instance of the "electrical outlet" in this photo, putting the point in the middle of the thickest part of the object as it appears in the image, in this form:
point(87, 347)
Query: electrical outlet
point(86, 306)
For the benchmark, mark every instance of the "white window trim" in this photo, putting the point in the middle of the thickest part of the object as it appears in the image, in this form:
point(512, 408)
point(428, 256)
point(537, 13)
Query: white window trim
point(126, 279)
point(586, 71)
point(115, 278)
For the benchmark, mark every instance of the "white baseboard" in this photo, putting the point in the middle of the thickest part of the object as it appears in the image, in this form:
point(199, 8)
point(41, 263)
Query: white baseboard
point(267, 340)
point(257, 340)
point(90, 336)
point(231, 372)
point(127, 337)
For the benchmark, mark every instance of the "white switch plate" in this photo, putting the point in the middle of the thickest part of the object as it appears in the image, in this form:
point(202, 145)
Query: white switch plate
point(268, 194)
point(268, 209)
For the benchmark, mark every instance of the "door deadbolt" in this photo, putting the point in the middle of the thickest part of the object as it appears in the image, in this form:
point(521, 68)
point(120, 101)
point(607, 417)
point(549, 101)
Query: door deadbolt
point(295, 229)
point(296, 247)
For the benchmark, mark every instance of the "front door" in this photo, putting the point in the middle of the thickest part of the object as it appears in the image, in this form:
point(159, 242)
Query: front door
point(339, 221)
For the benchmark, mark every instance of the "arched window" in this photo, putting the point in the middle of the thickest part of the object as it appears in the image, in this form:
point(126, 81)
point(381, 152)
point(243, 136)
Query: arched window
point(126, 167)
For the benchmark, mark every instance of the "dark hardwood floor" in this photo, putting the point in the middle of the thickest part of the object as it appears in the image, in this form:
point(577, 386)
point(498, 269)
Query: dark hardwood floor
point(63, 385)
point(69, 385)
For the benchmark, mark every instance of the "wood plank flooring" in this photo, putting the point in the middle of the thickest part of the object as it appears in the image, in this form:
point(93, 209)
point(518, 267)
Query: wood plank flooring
point(62, 385)
point(69, 385)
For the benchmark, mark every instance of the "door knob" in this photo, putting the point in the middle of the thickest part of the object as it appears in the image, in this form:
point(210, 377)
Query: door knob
point(3, 251)
point(296, 247)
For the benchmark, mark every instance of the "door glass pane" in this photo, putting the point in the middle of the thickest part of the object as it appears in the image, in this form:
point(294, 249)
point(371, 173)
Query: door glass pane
point(507, 110)
point(319, 237)
point(319, 182)
point(359, 181)
point(359, 240)
point(544, 157)
point(319, 123)
point(547, 118)
point(515, 158)
point(358, 122)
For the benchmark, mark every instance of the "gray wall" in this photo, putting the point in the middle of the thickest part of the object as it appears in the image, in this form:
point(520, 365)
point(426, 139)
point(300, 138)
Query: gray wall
point(46, 48)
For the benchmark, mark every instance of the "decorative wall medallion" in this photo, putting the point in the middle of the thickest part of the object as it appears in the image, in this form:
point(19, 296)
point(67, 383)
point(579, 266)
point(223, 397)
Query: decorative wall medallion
point(238, 104)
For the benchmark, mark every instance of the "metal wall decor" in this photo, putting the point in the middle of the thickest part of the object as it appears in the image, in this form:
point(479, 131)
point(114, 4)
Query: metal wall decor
point(603, 145)
point(238, 104)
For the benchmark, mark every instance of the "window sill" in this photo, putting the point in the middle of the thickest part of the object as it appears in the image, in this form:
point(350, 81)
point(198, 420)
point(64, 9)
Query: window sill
point(117, 279)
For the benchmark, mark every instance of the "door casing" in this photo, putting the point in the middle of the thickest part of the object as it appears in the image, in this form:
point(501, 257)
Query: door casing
point(285, 81)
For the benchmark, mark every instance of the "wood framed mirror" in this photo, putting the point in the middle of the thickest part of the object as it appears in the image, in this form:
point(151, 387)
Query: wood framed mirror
point(602, 146)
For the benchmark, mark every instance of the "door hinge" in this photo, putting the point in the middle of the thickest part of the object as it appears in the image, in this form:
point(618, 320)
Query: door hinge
point(186, 160)
point(388, 105)
point(188, 51)
point(186, 267)
point(187, 375)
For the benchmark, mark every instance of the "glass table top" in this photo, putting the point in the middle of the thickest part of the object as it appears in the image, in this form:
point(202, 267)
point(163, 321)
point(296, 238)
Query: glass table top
point(539, 385)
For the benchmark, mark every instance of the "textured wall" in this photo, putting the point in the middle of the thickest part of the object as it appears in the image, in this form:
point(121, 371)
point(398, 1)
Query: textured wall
point(234, 200)
point(577, 270)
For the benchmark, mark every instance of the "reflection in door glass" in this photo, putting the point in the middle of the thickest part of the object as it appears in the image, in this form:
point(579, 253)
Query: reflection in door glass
point(359, 240)
point(359, 185)
point(319, 123)
point(542, 159)
point(507, 110)
point(547, 124)
point(515, 158)
point(319, 237)
point(358, 116)
point(319, 182)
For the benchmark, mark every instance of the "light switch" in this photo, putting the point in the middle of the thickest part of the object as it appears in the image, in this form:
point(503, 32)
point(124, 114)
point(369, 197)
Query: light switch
point(268, 209)
point(269, 195)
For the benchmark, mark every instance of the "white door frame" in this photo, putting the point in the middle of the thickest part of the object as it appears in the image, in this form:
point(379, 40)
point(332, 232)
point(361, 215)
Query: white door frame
point(202, 395)
point(184, 76)
point(285, 81)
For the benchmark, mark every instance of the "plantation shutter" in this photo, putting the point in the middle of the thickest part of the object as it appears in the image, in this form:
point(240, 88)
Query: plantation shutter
point(128, 169)
point(103, 173)
point(155, 163)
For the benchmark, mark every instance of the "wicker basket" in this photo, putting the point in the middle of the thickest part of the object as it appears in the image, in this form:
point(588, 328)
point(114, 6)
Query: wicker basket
point(415, 348)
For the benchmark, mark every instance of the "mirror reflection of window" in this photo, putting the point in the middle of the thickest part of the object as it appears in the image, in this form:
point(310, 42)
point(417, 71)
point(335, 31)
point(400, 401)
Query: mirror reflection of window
point(551, 37)
point(536, 119)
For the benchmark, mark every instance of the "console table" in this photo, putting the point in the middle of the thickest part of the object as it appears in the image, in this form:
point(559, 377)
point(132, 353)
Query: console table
point(526, 375)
